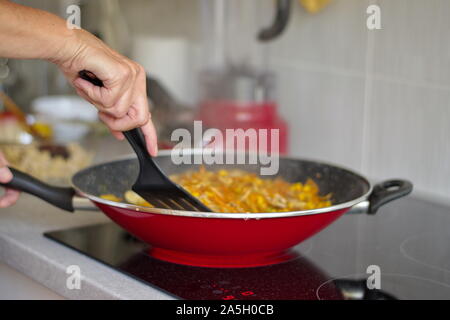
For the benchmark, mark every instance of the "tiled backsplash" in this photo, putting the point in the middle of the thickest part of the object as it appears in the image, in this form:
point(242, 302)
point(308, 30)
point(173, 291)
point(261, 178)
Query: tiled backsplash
point(377, 101)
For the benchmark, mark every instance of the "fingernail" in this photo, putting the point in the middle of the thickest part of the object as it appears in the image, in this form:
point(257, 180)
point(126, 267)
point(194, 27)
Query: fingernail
point(5, 175)
point(155, 150)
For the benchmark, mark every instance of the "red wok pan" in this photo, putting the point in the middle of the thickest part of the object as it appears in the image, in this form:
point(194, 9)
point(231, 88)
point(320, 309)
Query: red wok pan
point(218, 239)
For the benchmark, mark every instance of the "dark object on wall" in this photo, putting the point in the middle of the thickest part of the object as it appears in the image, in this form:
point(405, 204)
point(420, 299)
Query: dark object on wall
point(283, 10)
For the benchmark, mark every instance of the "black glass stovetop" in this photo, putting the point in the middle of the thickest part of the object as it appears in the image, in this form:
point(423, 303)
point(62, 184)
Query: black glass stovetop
point(403, 252)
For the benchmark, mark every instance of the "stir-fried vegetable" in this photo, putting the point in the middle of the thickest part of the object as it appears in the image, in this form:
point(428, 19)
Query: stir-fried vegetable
point(241, 191)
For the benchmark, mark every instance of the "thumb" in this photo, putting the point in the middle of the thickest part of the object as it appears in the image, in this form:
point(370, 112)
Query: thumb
point(5, 173)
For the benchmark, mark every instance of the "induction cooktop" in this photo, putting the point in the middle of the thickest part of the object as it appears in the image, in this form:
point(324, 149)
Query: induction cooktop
point(403, 252)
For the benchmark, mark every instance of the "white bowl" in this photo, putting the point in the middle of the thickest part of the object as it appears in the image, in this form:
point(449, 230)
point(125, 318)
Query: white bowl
point(69, 116)
point(65, 108)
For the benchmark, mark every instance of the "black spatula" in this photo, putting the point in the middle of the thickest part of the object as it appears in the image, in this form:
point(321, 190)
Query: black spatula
point(152, 184)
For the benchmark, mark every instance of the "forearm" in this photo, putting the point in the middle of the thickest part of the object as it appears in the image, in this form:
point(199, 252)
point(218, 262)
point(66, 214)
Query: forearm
point(27, 33)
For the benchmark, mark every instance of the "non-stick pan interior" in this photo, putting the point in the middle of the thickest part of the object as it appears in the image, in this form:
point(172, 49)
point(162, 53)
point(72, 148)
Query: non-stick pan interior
point(118, 176)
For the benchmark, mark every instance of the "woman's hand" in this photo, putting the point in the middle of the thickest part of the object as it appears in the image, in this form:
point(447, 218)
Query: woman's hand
point(28, 33)
point(122, 101)
point(10, 197)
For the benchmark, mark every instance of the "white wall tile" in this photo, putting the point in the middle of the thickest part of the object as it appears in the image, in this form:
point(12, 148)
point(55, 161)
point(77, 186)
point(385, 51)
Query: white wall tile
point(409, 135)
point(324, 113)
point(321, 63)
point(413, 43)
point(173, 18)
point(334, 37)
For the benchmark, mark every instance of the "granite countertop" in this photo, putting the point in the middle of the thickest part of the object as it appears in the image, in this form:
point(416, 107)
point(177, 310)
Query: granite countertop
point(23, 246)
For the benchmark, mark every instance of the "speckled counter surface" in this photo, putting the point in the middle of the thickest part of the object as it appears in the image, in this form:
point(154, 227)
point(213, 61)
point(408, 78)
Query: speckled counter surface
point(23, 247)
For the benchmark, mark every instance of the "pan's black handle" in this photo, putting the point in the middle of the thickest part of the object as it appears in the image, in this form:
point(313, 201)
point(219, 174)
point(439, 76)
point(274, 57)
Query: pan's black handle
point(387, 191)
point(57, 196)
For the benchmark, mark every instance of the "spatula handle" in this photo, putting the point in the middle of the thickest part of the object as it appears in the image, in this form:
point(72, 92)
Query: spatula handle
point(134, 136)
point(89, 76)
point(137, 141)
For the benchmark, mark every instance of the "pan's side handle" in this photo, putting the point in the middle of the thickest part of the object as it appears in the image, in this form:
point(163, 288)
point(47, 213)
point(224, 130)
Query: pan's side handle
point(383, 193)
point(387, 191)
point(58, 196)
